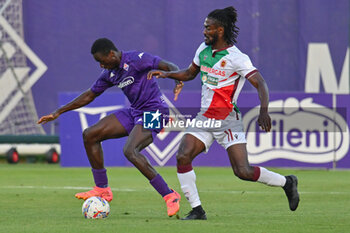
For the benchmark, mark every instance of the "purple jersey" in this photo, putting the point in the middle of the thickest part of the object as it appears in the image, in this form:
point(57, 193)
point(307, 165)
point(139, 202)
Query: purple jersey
point(131, 77)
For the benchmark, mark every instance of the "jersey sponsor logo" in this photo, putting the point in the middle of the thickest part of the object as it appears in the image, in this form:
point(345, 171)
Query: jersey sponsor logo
point(210, 80)
point(302, 131)
point(213, 71)
point(223, 63)
point(126, 82)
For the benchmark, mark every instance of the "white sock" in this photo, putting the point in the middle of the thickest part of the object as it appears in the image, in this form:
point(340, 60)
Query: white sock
point(271, 178)
point(188, 185)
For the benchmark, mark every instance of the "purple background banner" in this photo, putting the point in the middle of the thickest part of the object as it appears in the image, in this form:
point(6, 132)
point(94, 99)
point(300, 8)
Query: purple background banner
point(288, 143)
point(275, 34)
point(298, 46)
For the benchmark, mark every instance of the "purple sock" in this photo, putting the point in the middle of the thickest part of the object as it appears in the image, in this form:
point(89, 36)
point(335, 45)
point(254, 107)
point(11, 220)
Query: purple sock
point(100, 177)
point(159, 184)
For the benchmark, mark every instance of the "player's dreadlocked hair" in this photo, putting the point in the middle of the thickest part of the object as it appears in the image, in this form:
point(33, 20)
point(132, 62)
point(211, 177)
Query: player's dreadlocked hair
point(103, 45)
point(227, 18)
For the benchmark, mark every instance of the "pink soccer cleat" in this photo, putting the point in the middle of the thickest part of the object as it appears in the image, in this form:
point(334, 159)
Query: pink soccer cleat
point(105, 193)
point(172, 201)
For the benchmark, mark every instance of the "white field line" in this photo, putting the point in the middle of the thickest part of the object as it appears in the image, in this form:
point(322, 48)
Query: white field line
point(147, 190)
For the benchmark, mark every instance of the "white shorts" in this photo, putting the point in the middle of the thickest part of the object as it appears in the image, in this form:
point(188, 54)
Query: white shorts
point(231, 132)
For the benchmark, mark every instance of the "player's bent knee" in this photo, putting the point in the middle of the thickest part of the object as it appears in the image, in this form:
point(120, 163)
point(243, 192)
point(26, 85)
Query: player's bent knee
point(183, 159)
point(129, 153)
point(89, 136)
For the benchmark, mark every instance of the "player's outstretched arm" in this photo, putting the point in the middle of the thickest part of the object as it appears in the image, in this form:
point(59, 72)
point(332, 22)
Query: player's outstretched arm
point(181, 75)
point(82, 100)
point(259, 83)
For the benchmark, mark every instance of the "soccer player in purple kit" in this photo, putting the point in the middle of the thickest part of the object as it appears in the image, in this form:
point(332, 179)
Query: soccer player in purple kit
point(128, 71)
point(224, 69)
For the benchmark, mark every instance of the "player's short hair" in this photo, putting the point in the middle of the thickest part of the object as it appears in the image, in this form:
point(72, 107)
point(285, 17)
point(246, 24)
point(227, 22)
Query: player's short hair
point(227, 19)
point(102, 45)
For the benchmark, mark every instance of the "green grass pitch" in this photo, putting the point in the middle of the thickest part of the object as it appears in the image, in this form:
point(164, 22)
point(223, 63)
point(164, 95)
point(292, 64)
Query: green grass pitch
point(40, 198)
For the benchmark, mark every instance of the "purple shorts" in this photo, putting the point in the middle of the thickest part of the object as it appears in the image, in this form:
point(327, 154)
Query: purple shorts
point(129, 117)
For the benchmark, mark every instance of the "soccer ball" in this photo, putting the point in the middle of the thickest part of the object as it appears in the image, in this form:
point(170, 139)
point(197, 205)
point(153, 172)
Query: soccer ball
point(95, 207)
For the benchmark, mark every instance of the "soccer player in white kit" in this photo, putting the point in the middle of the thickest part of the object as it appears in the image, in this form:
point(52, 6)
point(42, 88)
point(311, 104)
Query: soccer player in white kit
point(223, 69)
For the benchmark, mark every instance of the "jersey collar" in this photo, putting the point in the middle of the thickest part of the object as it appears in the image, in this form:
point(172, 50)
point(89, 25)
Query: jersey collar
point(219, 50)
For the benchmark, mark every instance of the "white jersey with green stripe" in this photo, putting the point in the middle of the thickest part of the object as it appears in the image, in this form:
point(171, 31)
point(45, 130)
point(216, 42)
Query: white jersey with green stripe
point(223, 73)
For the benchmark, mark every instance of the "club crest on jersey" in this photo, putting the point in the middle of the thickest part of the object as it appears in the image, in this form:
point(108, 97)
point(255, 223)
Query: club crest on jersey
point(205, 57)
point(126, 67)
point(223, 63)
